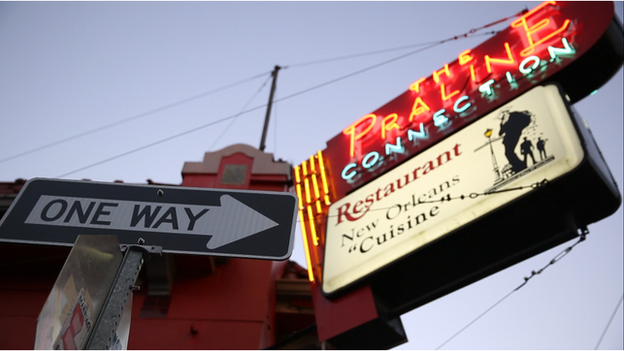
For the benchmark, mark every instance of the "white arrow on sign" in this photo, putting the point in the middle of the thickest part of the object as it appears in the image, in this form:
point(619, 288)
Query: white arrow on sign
point(230, 222)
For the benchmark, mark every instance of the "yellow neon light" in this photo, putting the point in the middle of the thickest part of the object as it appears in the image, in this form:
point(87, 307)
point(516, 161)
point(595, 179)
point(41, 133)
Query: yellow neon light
point(418, 108)
point(306, 249)
point(416, 85)
point(297, 176)
point(312, 226)
point(318, 206)
point(445, 70)
point(327, 202)
point(312, 168)
point(465, 57)
point(350, 130)
point(316, 187)
point(387, 125)
point(305, 168)
point(299, 196)
point(323, 176)
point(443, 93)
point(472, 73)
point(509, 61)
point(307, 190)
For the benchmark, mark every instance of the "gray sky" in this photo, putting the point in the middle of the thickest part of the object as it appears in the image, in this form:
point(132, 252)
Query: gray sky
point(67, 68)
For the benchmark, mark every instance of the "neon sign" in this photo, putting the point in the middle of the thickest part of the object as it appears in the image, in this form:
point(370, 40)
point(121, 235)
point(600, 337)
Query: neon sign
point(535, 48)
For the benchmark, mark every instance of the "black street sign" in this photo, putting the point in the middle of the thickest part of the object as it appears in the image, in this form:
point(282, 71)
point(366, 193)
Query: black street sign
point(218, 222)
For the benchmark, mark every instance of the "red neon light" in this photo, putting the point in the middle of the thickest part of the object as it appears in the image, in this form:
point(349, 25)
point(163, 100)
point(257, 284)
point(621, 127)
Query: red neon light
point(472, 74)
point(445, 70)
point(479, 79)
point(387, 125)
point(416, 85)
point(443, 93)
point(350, 130)
point(418, 108)
point(464, 57)
point(539, 26)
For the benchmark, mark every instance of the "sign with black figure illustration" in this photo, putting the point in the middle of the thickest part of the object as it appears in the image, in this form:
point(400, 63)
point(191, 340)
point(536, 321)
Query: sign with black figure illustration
point(504, 156)
point(232, 223)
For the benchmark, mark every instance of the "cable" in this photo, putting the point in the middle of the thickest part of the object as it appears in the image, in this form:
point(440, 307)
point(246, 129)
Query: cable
point(465, 35)
point(236, 117)
point(526, 280)
point(357, 55)
point(162, 108)
point(469, 33)
point(375, 66)
point(609, 323)
point(159, 141)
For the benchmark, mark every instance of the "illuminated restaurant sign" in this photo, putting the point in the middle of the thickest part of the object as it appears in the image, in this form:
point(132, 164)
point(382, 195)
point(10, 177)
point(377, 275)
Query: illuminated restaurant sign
point(456, 181)
point(574, 44)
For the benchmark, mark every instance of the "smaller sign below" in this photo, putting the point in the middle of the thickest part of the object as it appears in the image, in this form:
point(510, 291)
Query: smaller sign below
point(68, 317)
point(233, 223)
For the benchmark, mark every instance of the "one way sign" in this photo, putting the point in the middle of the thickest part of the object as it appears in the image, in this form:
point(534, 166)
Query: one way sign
point(223, 222)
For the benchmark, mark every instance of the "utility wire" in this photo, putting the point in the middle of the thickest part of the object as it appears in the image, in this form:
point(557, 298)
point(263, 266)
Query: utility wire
point(159, 109)
point(241, 112)
point(160, 141)
point(465, 35)
point(368, 53)
point(609, 323)
point(376, 65)
point(526, 280)
point(232, 117)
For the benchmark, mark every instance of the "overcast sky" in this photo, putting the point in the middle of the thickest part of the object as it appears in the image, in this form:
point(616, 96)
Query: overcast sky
point(69, 68)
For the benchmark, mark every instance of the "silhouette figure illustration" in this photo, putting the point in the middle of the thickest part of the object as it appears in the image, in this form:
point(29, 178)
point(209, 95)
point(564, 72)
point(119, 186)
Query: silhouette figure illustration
point(511, 128)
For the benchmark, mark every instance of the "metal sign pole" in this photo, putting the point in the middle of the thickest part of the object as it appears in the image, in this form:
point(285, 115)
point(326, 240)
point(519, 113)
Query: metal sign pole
point(112, 310)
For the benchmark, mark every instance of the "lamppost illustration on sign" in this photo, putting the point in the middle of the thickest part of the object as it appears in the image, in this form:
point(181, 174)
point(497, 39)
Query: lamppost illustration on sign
point(518, 141)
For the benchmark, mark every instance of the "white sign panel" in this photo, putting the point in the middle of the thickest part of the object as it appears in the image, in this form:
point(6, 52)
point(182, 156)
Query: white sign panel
point(462, 178)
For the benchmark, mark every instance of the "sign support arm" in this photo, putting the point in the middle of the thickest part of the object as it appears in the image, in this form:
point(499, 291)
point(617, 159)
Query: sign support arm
point(115, 303)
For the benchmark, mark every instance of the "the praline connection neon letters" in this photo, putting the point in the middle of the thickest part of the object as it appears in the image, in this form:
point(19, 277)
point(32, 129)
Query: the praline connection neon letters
point(421, 134)
point(464, 57)
point(566, 50)
point(443, 93)
point(524, 70)
point(509, 61)
point(539, 26)
point(398, 148)
point(418, 108)
point(487, 87)
point(445, 70)
point(350, 130)
point(367, 163)
point(416, 85)
point(439, 119)
point(349, 175)
point(534, 31)
point(458, 109)
point(387, 125)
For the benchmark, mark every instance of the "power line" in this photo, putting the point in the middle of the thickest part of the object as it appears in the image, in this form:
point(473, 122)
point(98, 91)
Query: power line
point(378, 65)
point(368, 53)
point(526, 280)
point(465, 35)
point(609, 323)
point(159, 142)
point(125, 120)
point(241, 112)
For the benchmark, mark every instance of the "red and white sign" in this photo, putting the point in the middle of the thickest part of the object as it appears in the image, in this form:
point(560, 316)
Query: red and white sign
point(535, 46)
